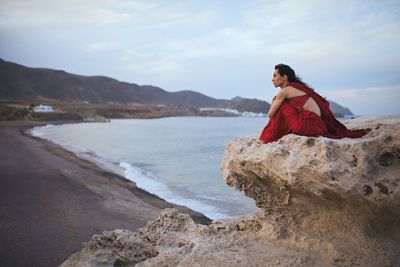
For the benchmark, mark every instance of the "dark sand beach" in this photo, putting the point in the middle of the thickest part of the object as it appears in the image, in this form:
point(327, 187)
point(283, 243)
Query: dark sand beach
point(51, 201)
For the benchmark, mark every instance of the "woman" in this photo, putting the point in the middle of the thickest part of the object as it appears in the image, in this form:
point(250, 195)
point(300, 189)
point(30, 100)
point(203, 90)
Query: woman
point(299, 110)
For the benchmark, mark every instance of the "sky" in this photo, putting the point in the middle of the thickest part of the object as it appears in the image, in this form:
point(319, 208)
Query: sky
point(347, 50)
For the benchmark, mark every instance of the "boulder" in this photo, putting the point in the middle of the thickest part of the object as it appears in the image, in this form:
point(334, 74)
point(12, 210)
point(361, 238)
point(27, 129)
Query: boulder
point(366, 169)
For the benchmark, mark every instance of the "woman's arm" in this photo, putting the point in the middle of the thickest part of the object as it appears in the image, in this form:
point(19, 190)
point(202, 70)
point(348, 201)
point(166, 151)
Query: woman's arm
point(277, 102)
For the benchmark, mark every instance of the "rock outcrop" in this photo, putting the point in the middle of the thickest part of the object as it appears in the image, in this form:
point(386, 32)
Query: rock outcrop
point(366, 169)
point(323, 202)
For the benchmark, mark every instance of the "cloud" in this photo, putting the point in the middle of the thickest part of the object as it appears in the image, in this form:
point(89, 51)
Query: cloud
point(75, 13)
point(221, 49)
point(327, 32)
point(107, 16)
point(149, 64)
point(102, 46)
point(381, 100)
point(356, 93)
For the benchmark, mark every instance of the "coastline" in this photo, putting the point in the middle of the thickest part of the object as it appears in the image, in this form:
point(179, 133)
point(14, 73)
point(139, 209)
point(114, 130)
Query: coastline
point(52, 200)
point(136, 162)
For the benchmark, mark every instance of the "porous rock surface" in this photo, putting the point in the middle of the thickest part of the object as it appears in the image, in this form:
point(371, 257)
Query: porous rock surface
point(323, 202)
point(365, 168)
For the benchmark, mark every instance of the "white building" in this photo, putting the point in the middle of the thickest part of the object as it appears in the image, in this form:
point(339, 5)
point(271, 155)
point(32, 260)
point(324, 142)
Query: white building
point(43, 108)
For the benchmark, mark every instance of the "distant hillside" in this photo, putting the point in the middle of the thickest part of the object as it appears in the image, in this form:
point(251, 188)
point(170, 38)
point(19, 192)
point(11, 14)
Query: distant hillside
point(18, 82)
point(338, 109)
point(23, 83)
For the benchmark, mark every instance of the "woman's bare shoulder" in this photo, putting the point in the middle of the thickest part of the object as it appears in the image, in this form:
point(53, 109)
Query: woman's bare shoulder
point(291, 91)
point(287, 91)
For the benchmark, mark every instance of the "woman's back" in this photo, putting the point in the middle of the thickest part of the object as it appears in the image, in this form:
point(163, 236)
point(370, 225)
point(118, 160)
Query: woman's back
point(310, 104)
point(300, 110)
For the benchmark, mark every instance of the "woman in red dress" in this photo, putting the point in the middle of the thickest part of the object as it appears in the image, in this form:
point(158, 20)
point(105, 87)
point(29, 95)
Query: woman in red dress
point(298, 109)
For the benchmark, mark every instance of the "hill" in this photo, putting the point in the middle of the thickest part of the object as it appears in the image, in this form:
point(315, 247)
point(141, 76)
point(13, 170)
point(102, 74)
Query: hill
point(18, 82)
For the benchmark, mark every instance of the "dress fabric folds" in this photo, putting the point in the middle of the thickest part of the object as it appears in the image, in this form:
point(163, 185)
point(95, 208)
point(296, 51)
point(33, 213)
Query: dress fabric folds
point(291, 118)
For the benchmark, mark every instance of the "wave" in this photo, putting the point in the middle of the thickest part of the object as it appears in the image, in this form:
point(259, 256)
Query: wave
point(236, 112)
point(143, 179)
point(40, 131)
point(148, 182)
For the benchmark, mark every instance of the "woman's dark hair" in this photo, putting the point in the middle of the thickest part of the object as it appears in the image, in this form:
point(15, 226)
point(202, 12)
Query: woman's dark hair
point(289, 72)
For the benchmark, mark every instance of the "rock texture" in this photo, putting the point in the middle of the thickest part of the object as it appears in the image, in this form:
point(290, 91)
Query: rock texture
point(366, 169)
point(323, 202)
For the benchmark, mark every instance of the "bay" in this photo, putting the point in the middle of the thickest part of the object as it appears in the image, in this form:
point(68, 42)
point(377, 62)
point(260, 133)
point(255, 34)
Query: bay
point(176, 158)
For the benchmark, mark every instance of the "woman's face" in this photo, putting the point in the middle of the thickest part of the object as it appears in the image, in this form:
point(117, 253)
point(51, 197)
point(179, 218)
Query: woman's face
point(277, 79)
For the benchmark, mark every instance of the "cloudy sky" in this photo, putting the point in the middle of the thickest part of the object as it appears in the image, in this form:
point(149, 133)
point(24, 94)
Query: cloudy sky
point(347, 50)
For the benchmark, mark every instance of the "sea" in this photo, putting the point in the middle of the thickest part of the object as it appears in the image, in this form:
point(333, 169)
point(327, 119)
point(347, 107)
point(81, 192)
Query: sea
point(176, 158)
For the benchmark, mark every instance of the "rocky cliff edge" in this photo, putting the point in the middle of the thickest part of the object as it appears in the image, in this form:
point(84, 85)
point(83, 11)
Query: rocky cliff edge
point(323, 202)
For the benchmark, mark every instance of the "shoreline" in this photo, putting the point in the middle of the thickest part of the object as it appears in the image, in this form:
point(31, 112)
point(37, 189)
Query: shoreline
point(71, 156)
point(60, 151)
point(69, 199)
point(143, 179)
point(123, 169)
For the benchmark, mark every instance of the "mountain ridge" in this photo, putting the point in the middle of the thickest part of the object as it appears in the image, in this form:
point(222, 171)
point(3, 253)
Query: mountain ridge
point(25, 83)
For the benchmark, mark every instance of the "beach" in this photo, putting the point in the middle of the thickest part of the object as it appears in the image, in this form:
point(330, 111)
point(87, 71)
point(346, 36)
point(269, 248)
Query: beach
point(52, 201)
point(175, 158)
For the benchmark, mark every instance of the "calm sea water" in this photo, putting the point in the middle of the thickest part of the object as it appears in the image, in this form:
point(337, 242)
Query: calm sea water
point(176, 158)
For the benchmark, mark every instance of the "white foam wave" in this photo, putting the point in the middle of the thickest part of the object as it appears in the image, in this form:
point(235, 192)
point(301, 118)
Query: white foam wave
point(40, 131)
point(146, 181)
point(236, 112)
point(142, 178)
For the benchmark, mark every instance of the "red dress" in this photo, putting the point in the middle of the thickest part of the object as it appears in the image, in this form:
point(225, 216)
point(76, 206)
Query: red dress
point(292, 118)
